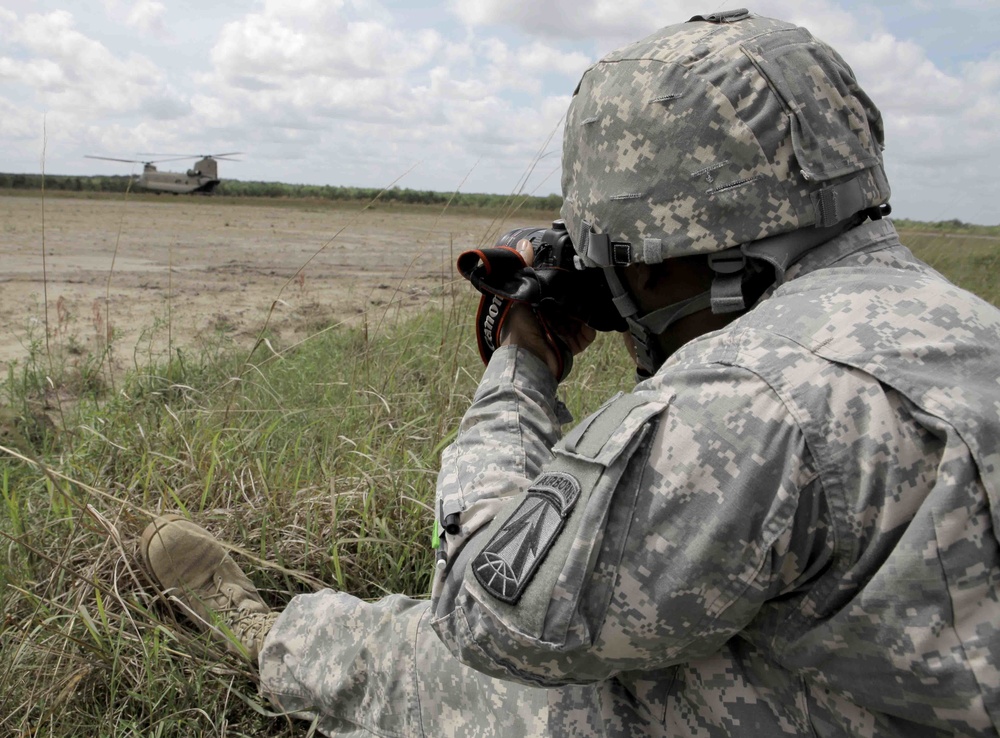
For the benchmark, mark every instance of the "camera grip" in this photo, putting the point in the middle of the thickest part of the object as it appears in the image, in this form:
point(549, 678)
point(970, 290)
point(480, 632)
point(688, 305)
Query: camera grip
point(504, 279)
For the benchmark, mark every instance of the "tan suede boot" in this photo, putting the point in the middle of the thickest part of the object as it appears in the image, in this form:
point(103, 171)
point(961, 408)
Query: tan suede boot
point(199, 577)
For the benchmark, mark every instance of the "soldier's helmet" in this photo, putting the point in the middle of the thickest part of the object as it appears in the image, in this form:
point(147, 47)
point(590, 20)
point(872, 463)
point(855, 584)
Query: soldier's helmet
point(716, 133)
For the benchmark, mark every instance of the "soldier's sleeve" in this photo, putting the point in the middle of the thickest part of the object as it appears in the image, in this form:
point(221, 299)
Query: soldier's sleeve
point(654, 533)
point(504, 440)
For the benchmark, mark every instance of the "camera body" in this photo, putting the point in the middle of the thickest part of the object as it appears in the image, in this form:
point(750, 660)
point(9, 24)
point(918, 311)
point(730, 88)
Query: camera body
point(566, 288)
point(553, 247)
point(561, 292)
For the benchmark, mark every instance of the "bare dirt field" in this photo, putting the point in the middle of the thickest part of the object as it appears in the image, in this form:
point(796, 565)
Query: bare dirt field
point(188, 271)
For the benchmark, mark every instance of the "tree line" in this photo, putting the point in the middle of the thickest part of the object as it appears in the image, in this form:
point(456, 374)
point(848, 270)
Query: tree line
point(115, 183)
point(240, 188)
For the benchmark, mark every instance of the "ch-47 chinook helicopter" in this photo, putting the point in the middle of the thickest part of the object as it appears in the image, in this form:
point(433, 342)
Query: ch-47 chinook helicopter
point(202, 178)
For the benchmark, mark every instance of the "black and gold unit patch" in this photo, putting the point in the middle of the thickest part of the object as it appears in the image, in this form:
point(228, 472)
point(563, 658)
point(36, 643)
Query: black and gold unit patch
point(509, 561)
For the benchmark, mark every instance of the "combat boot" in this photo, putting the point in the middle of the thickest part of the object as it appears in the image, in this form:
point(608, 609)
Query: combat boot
point(197, 575)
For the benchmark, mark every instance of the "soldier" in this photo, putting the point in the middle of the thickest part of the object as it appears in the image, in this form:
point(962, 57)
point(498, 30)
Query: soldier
point(788, 527)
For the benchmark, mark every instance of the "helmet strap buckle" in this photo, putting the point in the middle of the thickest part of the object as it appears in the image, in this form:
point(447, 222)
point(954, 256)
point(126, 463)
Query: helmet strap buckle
point(600, 250)
point(730, 267)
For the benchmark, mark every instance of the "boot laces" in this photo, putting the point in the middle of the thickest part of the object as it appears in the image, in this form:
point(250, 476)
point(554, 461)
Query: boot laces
point(252, 625)
point(226, 599)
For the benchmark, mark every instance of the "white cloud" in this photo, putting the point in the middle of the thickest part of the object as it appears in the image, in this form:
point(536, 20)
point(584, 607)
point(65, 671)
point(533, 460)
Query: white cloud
point(212, 110)
point(523, 68)
point(985, 74)
point(902, 80)
point(567, 18)
point(7, 19)
point(538, 58)
point(17, 122)
point(145, 16)
point(284, 41)
point(383, 95)
point(148, 16)
point(38, 73)
point(71, 72)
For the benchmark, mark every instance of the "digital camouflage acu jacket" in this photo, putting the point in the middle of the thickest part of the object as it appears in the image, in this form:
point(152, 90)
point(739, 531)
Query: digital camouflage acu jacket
point(790, 529)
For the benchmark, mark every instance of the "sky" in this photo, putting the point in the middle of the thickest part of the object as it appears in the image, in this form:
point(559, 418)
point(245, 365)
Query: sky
point(448, 94)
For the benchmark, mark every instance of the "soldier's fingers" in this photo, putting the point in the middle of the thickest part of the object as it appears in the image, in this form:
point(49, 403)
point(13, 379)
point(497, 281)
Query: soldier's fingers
point(526, 250)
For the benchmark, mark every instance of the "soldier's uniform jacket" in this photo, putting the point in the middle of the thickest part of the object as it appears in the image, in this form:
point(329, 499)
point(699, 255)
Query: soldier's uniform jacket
point(790, 529)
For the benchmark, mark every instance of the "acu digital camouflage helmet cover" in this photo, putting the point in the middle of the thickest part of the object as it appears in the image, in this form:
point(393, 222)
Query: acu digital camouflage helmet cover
point(717, 132)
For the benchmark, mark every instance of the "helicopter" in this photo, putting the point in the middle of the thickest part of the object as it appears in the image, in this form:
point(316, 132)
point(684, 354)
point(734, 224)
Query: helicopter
point(202, 178)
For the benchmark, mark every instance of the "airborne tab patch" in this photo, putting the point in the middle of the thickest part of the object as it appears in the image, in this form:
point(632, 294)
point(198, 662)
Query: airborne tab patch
point(509, 561)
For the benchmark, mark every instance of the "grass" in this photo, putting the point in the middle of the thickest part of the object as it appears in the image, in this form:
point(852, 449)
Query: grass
point(319, 462)
point(970, 261)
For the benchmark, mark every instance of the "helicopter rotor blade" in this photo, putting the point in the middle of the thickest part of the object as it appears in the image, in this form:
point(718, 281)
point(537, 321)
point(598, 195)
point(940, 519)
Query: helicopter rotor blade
point(193, 156)
point(111, 158)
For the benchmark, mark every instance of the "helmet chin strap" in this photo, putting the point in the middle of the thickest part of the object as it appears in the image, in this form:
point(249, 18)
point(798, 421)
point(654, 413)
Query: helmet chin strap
point(659, 320)
point(645, 329)
point(740, 279)
point(726, 295)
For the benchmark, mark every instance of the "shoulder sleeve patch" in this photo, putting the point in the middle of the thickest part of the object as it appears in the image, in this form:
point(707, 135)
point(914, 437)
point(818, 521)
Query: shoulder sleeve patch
point(509, 560)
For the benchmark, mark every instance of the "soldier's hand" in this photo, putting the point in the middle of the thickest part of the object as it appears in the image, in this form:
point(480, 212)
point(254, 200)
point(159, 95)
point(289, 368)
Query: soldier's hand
point(522, 328)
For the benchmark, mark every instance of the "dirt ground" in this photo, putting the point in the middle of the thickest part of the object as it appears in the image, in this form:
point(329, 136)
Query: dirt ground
point(86, 270)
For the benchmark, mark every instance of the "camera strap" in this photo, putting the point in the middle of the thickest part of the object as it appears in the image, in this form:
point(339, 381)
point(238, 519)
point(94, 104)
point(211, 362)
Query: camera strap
point(504, 279)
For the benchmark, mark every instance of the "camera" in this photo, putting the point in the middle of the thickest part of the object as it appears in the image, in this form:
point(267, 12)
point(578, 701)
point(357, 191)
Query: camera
point(556, 286)
point(566, 289)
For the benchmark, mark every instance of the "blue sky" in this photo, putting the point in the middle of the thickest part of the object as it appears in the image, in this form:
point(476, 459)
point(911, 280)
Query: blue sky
point(357, 92)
